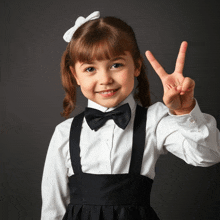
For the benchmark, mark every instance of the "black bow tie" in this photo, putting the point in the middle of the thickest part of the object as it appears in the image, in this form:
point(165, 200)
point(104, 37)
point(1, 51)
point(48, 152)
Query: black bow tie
point(96, 119)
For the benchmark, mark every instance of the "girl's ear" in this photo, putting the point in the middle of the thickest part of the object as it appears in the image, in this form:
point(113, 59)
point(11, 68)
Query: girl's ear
point(138, 69)
point(74, 74)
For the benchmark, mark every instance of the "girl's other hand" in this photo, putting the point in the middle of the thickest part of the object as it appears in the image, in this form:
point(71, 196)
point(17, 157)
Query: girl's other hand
point(178, 90)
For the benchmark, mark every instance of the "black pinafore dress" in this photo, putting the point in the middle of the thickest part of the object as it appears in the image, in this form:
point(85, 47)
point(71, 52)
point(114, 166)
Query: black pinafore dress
point(110, 196)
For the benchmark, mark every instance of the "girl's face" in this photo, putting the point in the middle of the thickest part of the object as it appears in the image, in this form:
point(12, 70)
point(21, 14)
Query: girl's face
point(106, 82)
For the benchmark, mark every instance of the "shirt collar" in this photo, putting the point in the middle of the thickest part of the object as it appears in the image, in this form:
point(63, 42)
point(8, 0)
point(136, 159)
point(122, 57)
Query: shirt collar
point(130, 100)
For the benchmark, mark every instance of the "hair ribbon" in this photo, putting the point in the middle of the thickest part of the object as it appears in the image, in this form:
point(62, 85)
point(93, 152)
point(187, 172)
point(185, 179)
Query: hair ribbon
point(79, 21)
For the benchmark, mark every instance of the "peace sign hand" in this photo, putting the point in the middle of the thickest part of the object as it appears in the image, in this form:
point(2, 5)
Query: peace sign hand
point(178, 90)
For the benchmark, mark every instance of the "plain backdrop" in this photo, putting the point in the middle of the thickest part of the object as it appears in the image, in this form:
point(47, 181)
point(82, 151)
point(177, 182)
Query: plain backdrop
point(31, 94)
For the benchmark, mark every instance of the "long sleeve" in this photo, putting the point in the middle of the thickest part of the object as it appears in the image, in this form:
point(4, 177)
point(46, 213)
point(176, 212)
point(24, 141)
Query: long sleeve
point(55, 192)
point(193, 137)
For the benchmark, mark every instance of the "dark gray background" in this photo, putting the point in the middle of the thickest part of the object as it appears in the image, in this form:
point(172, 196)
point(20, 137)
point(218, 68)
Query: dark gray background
point(31, 94)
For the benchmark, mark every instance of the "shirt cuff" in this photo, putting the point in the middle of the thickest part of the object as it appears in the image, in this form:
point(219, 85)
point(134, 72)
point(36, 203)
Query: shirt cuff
point(194, 118)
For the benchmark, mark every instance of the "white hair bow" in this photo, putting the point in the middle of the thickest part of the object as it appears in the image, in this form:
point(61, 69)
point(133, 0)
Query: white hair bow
point(79, 21)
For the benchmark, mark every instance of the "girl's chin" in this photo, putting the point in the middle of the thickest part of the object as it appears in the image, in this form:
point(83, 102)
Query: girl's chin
point(110, 103)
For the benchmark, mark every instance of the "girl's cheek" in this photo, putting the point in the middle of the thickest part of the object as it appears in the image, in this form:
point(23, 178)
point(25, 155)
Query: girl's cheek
point(88, 85)
point(122, 76)
point(127, 78)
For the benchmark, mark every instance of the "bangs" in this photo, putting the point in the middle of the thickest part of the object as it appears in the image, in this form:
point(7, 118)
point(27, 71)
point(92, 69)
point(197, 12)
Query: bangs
point(99, 45)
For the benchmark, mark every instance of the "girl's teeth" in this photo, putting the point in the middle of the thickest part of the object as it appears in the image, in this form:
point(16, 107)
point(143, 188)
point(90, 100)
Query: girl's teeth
point(107, 92)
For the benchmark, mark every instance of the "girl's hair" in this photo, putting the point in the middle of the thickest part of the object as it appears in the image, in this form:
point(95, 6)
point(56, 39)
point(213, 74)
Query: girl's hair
point(99, 39)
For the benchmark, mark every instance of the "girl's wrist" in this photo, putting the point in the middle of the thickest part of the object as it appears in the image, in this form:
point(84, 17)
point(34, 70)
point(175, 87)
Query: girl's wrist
point(184, 111)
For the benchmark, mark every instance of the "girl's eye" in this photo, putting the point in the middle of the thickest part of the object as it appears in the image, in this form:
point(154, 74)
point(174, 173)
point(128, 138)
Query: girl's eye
point(90, 69)
point(117, 65)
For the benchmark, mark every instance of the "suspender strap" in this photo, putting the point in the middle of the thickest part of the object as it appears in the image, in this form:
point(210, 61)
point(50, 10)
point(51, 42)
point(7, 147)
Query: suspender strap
point(74, 139)
point(137, 147)
point(138, 140)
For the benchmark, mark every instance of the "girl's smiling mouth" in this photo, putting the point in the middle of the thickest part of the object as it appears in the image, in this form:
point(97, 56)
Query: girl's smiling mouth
point(108, 93)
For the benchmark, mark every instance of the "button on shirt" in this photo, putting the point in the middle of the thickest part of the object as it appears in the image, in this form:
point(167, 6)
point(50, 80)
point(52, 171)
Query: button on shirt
point(192, 137)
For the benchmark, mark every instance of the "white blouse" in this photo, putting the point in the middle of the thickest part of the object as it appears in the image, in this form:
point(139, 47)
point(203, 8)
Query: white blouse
point(192, 137)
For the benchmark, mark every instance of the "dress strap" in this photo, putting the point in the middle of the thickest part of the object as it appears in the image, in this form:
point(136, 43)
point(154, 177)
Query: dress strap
point(138, 140)
point(74, 139)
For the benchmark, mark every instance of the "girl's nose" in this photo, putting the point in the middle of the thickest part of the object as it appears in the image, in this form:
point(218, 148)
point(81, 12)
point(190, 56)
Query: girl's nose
point(105, 78)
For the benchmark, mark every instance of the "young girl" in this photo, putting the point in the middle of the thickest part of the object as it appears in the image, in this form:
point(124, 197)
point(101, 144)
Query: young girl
point(100, 164)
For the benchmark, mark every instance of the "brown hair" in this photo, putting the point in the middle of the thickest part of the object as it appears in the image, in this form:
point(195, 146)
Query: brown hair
point(100, 39)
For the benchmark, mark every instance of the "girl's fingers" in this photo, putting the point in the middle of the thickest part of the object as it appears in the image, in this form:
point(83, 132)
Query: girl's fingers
point(187, 85)
point(155, 64)
point(181, 58)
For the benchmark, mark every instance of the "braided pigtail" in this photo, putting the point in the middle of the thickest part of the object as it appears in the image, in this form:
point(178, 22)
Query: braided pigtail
point(69, 84)
point(142, 91)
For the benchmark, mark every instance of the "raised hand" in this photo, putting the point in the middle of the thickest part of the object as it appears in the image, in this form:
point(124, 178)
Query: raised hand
point(178, 90)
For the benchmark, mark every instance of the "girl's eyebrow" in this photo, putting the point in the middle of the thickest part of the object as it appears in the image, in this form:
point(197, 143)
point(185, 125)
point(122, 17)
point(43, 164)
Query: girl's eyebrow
point(118, 58)
point(87, 63)
point(113, 59)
